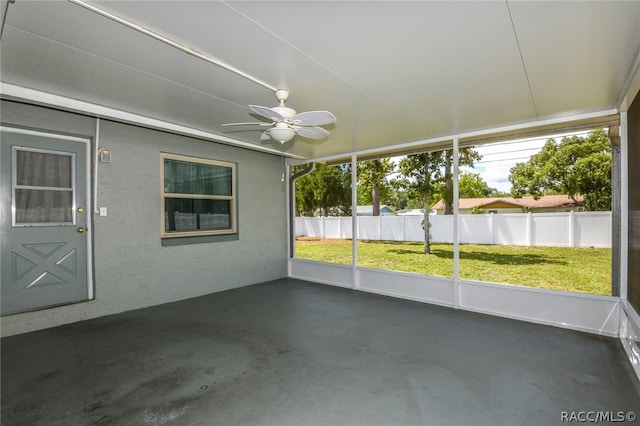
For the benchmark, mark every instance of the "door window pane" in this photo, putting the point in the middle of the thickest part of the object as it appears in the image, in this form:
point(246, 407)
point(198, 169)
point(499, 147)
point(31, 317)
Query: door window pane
point(43, 206)
point(43, 169)
point(43, 187)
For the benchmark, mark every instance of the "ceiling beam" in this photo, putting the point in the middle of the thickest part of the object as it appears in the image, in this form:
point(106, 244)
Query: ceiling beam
point(170, 42)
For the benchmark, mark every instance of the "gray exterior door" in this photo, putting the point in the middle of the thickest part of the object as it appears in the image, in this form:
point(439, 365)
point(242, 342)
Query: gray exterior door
point(43, 221)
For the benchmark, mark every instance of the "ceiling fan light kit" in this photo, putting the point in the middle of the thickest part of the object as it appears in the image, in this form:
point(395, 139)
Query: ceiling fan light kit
point(287, 123)
point(281, 134)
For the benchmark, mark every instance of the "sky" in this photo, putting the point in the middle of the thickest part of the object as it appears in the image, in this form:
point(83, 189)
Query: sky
point(499, 158)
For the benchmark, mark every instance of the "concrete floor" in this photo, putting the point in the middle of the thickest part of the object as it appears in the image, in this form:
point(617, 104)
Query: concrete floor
point(294, 353)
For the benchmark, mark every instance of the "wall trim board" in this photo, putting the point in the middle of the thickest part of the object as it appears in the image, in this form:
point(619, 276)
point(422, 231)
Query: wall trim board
point(403, 285)
point(576, 311)
point(334, 275)
point(593, 314)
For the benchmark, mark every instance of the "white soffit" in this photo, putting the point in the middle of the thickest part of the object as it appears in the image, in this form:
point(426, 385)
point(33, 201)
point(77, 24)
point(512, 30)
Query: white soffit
point(577, 58)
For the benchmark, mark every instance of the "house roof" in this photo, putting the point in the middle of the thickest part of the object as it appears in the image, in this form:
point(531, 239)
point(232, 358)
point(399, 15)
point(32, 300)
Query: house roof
point(547, 201)
point(385, 69)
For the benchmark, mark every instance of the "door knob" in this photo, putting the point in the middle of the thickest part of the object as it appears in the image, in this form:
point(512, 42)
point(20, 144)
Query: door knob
point(81, 229)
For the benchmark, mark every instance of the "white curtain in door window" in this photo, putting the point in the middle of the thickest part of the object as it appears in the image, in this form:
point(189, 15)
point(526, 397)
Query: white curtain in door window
point(43, 187)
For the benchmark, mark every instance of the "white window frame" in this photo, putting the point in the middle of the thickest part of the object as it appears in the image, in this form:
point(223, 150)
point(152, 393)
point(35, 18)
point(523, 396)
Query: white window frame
point(232, 198)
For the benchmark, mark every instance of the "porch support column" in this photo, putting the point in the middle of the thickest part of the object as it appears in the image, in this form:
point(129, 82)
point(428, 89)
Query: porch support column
point(456, 227)
point(354, 222)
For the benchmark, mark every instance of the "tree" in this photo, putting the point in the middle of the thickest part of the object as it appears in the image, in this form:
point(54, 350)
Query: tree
point(327, 188)
point(575, 166)
point(424, 176)
point(466, 157)
point(396, 197)
point(471, 185)
point(594, 180)
point(421, 174)
point(372, 175)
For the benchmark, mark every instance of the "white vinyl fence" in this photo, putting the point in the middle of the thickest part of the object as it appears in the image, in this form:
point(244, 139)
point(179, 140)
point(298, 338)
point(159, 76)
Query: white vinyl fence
point(570, 229)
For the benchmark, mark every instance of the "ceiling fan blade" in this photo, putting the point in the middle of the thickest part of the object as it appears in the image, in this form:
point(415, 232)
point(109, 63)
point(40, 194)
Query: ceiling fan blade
point(267, 112)
point(313, 118)
point(254, 123)
point(311, 132)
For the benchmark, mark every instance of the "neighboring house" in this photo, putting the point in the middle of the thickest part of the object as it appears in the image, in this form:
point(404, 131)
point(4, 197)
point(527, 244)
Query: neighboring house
point(546, 204)
point(368, 211)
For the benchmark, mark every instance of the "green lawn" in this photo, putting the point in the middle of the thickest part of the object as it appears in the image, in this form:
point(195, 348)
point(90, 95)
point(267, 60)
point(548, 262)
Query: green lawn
point(559, 268)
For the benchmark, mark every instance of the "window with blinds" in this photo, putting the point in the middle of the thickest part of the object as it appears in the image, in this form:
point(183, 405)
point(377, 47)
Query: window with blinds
point(198, 196)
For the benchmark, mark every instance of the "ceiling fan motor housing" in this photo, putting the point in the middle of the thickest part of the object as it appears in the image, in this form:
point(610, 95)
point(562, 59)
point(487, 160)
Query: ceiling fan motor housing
point(284, 111)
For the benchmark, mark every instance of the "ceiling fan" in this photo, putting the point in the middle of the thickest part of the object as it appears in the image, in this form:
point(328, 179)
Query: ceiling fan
point(286, 123)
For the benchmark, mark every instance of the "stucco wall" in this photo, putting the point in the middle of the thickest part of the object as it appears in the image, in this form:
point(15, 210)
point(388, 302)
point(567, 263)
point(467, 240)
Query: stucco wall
point(132, 269)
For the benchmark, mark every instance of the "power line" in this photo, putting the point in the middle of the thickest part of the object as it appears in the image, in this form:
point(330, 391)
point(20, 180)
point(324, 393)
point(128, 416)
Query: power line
point(516, 150)
point(511, 151)
point(504, 160)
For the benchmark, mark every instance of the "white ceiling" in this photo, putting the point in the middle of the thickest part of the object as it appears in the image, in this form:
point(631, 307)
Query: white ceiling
point(392, 72)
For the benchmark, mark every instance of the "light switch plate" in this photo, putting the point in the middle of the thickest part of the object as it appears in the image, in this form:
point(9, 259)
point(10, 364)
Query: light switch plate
point(103, 211)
